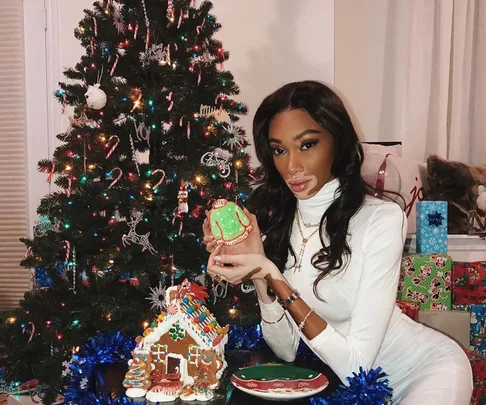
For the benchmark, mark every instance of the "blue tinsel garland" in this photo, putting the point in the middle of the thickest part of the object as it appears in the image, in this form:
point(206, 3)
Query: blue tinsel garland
point(103, 348)
point(365, 388)
point(245, 338)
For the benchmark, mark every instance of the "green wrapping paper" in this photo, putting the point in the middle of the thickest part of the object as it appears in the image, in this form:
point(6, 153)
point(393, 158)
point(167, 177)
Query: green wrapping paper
point(426, 279)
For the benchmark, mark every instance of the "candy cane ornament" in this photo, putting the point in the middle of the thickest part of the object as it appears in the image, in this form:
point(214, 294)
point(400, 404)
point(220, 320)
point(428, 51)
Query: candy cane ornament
point(51, 173)
point(169, 97)
point(161, 179)
point(67, 246)
point(69, 187)
point(115, 145)
point(95, 24)
point(117, 178)
point(114, 65)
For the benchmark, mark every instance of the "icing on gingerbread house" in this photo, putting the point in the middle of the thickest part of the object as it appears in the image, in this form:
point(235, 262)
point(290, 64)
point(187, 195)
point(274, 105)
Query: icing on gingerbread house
point(186, 347)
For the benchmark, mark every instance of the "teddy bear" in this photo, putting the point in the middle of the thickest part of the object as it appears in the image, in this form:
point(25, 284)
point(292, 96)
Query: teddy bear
point(481, 201)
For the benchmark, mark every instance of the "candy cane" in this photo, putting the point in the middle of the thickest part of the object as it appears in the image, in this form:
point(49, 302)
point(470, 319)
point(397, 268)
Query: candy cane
point(91, 43)
point(118, 178)
point(49, 176)
point(68, 250)
point(169, 97)
point(114, 146)
point(161, 179)
point(181, 121)
point(95, 26)
point(114, 65)
point(180, 20)
point(107, 5)
point(68, 190)
point(135, 33)
point(188, 130)
point(198, 28)
point(64, 104)
point(31, 332)
point(147, 39)
point(167, 57)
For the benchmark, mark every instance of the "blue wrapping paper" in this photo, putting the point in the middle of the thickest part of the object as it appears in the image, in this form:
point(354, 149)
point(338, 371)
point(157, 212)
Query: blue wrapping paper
point(432, 227)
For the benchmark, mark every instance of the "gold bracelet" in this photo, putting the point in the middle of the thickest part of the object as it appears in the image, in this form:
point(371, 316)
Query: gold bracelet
point(302, 324)
point(274, 322)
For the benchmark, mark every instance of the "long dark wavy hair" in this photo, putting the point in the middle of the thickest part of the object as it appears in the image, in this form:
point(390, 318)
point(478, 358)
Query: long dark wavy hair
point(272, 201)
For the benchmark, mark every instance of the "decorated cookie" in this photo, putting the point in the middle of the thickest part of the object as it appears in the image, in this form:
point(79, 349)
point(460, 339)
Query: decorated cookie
point(229, 224)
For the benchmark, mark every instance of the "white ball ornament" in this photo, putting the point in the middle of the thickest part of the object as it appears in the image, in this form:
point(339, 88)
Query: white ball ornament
point(95, 97)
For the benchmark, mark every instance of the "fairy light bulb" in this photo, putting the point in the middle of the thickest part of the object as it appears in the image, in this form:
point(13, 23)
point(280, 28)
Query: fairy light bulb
point(91, 167)
point(145, 324)
point(232, 311)
point(59, 336)
point(239, 164)
point(11, 320)
point(68, 168)
point(102, 138)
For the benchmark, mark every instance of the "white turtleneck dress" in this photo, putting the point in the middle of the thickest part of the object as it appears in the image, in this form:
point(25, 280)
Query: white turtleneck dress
point(365, 328)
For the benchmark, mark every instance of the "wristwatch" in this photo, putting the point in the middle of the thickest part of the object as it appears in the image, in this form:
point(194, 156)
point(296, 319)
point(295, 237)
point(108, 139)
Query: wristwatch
point(285, 303)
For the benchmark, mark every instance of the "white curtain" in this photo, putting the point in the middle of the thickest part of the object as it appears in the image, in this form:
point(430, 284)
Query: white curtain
point(444, 106)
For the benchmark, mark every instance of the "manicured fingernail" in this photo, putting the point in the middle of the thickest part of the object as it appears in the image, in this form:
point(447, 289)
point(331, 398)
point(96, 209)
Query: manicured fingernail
point(217, 258)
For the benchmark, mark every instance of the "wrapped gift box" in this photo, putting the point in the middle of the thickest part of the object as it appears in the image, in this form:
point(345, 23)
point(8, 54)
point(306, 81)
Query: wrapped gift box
point(432, 227)
point(426, 280)
point(409, 308)
point(469, 283)
point(477, 326)
point(478, 365)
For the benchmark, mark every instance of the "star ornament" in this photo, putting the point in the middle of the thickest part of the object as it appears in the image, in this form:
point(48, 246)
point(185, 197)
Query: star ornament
point(435, 219)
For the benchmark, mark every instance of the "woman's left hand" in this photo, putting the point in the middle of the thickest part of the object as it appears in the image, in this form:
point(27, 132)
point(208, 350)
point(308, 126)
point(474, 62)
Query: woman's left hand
point(246, 267)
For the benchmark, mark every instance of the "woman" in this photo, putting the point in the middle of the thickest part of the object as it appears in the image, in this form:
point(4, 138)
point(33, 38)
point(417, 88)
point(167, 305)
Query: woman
point(340, 253)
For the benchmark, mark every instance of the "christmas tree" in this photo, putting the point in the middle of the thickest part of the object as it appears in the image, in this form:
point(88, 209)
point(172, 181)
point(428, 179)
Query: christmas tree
point(153, 141)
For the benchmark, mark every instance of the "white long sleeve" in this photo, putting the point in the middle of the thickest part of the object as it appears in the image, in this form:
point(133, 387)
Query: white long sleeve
point(374, 303)
point(281, 336)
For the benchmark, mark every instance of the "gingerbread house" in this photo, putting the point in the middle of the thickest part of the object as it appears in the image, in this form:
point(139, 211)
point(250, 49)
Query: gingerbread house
point(185, 346)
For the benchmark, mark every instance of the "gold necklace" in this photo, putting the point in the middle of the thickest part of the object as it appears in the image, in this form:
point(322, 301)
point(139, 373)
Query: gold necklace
point(307, 225)
point(300, 258)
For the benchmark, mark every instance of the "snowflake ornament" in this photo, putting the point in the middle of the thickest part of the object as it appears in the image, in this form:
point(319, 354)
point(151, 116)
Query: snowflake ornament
point(66, 370)
point(236, 136)
point(157, 298)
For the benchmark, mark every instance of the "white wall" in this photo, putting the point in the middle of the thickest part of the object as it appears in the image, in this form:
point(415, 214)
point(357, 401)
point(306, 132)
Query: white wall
point(273, 42)
point(370, 63)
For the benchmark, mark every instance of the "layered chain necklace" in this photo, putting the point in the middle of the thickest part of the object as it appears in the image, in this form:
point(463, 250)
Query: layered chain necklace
point(300, 223)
